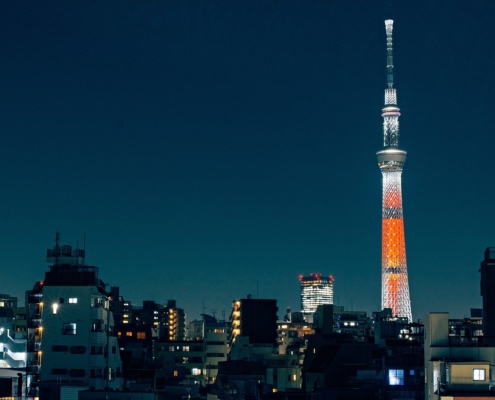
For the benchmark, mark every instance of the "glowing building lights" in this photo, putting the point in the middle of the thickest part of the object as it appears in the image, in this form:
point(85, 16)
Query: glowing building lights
point(395, 285)
point(315, 290)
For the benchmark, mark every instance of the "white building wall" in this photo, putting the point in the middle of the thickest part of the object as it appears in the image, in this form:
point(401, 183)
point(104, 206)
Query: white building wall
point(79, 355)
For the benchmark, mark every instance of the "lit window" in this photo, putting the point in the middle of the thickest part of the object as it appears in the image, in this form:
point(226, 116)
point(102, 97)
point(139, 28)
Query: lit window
point(128, 333)
point(396, 377)
point(176, 373)
point(69, 329)
point(195, 371)
point(171, 348)
point(73, 300)
point(54, 308)
point(294, 377)
point(141, 335)
point(479, 374)
point(185, 348)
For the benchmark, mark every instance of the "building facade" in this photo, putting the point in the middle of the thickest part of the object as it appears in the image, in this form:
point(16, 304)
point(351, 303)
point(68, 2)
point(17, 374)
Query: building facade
point(256, 319)
point(315, 290)
point(78, 342)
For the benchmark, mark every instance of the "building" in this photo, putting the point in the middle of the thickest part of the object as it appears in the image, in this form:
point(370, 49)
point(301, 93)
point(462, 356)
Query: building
point(216, 347)
point(79, 347)
point(457, 364)
point(315, 290)
point(256, 319)
point(14, 378)
point(182, 359)
point(174, 322)
point(395, 285)
point(487, 283)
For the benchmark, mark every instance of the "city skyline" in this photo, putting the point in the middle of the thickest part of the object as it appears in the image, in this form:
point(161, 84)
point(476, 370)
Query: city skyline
point(209, 151)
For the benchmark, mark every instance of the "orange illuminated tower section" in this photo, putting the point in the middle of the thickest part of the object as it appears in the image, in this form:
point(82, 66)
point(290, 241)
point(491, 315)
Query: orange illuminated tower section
point(395, 285)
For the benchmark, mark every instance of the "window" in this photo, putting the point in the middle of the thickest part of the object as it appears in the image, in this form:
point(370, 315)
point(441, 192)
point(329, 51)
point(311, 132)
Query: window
point(69, 329)
point(141, 335)
point(78, 349)
point(128, 334)
point(54, 308)
point(114, 349)
point(185, 348)
point(176, 373)
point(96, 350)
point(77, 373)
point(479, 374)
point(396, 377)
point(73, 300)
point(171, 348)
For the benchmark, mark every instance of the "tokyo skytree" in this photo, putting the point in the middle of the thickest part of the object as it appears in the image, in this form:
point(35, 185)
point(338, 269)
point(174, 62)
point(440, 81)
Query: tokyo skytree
point(395, 285)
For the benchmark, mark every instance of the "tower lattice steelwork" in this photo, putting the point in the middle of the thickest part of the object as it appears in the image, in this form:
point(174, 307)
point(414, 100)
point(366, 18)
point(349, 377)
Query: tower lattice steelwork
point(395, 285)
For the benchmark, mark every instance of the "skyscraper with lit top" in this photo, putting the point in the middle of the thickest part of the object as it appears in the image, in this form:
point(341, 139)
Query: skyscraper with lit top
point(315, 290)
point(395, 285)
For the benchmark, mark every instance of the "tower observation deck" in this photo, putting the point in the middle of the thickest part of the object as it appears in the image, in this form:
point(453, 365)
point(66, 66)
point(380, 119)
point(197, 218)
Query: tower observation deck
point(395, 285)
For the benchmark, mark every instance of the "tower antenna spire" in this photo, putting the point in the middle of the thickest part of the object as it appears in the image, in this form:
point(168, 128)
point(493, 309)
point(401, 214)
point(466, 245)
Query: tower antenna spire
point(389, 26)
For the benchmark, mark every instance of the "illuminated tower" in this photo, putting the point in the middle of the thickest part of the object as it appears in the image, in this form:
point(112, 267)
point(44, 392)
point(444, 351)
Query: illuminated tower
point(395, 286)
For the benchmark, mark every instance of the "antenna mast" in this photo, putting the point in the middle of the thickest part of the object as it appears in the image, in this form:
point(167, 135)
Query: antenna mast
point(391, 112)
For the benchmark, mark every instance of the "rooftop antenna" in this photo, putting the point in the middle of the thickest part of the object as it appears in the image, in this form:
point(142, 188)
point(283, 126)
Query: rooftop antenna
point(57, 246)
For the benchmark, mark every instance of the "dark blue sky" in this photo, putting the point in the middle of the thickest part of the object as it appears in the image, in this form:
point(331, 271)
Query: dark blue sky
point(206, 148)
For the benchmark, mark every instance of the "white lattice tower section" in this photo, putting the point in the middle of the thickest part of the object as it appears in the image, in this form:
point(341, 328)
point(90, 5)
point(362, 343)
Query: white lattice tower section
point(395, 285)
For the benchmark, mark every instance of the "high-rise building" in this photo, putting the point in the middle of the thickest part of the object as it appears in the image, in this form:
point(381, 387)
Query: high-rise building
point(395, 285)
point(315, 290)
point(487, 270)
point(256, 319)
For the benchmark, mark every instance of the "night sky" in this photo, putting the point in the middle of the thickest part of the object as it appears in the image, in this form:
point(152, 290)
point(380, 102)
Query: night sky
point(211, 149)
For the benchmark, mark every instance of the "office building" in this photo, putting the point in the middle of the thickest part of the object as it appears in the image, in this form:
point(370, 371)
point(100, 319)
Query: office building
point(315, 290)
